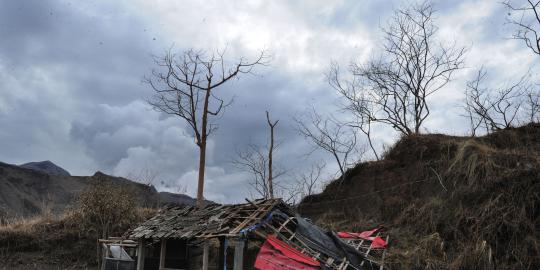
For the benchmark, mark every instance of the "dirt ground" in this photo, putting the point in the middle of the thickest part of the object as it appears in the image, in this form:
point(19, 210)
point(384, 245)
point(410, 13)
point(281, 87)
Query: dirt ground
point(36, 260)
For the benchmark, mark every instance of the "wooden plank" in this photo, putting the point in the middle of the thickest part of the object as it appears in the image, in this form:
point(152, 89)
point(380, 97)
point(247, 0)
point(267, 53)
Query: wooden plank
point(140, 255)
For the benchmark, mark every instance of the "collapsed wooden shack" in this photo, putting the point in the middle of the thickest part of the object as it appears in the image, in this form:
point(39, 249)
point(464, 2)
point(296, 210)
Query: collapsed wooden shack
point(229, 236)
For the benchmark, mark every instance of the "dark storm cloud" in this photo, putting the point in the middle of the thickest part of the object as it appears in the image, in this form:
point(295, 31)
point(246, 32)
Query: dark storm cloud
point(59, 63)
point(78, 46)
point(71, 92)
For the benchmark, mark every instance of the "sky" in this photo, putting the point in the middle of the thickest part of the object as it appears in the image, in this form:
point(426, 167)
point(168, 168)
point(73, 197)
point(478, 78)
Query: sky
point(71, 75)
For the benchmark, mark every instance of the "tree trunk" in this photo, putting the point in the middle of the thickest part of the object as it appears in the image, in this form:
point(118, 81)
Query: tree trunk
point(202, 165)
point(270, 184)
point(202, 147)
point(270, 152)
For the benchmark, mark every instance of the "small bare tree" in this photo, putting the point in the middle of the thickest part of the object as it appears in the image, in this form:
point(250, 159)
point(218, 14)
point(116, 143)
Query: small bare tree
point(495, 109)
point(309, 181)
point(393, 89)
point(356, 103)
point(144, 175)
point(259, 162)
point(331, 136)
point(185, 86)
point(533, 105)
point(526, 18)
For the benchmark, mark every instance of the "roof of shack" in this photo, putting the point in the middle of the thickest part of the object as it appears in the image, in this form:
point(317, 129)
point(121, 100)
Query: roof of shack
point(187, 222)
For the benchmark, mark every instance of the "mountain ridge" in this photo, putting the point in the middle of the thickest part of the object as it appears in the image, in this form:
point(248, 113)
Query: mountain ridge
point(26, 191)
point(46, 166)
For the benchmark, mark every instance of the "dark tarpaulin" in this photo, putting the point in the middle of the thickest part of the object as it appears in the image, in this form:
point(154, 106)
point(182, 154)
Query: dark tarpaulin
point(326, 242)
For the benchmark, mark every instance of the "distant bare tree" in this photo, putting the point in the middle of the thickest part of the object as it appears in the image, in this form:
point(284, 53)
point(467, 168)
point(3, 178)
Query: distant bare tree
point(185, 86)
point(144, 175)
point(331, 136)
point(254, 160)
point(527, 22)
point(358, 104)
point(533, 104)
point(394, 88)
point(495, 109)
point(259, 162)
point(308, 182)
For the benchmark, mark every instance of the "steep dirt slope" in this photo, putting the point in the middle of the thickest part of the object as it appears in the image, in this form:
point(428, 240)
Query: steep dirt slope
point(448, 202)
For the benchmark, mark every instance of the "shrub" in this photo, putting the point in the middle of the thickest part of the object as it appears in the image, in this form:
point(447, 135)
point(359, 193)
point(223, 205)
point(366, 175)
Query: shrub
point(103, 209)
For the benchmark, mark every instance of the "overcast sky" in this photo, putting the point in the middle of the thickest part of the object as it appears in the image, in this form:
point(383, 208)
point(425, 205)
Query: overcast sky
point(71, 72)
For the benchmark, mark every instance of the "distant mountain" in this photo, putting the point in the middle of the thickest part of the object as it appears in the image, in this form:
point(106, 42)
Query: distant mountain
point(29, 189)
point(46, 167)
point(182, 199)
point(173, 198)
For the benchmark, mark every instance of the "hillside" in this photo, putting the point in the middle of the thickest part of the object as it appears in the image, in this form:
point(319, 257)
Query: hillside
point(447, 202)
point(26, 192)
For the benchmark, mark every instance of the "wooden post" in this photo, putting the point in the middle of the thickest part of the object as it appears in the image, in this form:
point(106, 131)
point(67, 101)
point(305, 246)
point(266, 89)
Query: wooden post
point(105, 252)
point(162, 253)
point(221, 260)
point(205, 256)
point(239, 254)
point(140, 255)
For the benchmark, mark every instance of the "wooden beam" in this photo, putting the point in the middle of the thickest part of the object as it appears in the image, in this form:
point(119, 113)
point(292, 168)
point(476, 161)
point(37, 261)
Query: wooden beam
point(205, 255)
point(140, 255)
point(239, 254)
point(162, 253)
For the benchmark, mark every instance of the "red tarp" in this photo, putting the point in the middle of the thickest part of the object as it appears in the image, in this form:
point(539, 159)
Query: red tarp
point(376, 242)
point(277, 255)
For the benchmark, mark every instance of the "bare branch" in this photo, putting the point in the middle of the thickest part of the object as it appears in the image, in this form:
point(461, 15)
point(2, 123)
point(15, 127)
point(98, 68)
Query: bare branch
point(394, 88)
point(526, 19)
point(330, 136)
point(495, 109)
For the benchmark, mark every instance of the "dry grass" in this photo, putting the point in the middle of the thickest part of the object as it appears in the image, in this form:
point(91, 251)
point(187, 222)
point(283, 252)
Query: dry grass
point(51, 240)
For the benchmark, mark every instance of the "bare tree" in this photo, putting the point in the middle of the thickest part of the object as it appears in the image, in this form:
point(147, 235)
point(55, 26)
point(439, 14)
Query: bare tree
point(254, 161)
point(495, 109)
point(259, 162)
point(533, 105)
point(309, 182)
point(526, 18)
point(144, 175)
point(331, 136)
point(393, 89)
point(358, 104)
point(185, 86)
